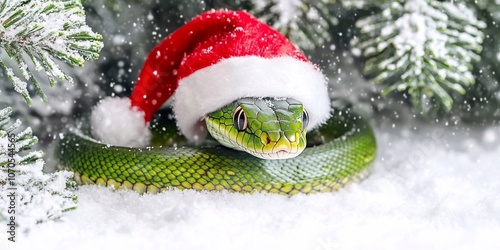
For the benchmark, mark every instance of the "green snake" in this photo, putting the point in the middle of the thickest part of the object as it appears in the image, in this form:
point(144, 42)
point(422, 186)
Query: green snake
point(253, 132)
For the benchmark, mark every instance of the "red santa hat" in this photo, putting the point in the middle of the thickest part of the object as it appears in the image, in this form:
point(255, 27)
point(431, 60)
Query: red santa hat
point(214, 59)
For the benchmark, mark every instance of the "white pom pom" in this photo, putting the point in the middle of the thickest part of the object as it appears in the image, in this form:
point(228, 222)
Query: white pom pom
point(115, 122)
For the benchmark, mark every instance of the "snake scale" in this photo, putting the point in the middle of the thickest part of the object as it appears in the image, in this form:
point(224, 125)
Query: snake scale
point(338, 153)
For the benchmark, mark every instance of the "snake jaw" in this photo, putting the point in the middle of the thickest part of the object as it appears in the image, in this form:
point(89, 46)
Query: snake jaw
point(284, 148)
point(278, 155)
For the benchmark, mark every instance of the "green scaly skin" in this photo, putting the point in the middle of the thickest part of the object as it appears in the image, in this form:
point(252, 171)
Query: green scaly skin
point(338, 153)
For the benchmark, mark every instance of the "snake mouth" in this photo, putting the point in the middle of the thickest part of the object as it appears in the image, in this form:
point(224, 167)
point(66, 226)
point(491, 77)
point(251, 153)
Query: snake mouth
point(280, 149)
point(277, 155)
point(283, 154)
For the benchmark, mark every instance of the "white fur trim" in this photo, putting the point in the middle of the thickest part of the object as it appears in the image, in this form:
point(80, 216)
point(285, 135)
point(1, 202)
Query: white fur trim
point(215, 86)
point(114, 122)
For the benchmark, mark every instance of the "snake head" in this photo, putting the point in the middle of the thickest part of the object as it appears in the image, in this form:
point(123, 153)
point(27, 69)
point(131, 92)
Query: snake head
point(268, 128)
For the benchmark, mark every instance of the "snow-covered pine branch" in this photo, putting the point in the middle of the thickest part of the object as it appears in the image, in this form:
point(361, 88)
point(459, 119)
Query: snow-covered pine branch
point(39, 197)
point(23, 141)
point(35, 33)
point(423, 47)
point(305, 23)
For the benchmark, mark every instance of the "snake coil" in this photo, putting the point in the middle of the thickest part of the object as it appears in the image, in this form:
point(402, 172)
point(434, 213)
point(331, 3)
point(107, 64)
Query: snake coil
point(338, 153)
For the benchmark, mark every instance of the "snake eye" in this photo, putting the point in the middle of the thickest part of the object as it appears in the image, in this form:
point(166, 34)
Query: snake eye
point(240, 120)
point(305, 119)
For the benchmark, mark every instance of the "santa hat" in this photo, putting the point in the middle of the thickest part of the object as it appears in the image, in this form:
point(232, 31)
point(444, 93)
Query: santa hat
point(215, 59)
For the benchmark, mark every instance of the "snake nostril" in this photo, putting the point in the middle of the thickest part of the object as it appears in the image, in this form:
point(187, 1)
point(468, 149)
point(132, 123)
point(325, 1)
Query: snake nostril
point(264, 138)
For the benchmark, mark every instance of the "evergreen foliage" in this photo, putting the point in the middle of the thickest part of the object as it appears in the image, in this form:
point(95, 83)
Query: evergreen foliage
point(482, 100)
point(22, 141)
point(35, 34)
point(40, 197)
point(423, 47)
point(305, 23)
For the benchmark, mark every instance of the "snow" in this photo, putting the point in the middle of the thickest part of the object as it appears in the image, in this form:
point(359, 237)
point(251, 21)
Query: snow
point(433, 187)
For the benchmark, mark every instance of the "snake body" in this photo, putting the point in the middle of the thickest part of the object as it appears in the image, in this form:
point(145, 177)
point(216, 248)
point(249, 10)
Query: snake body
point(338, 153)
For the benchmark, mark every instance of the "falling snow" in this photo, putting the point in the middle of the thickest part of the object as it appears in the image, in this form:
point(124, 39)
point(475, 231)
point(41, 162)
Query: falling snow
point(434, 184)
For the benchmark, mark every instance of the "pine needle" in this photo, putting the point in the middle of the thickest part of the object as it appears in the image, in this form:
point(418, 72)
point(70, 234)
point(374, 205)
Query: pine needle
point(44, 31)
point(422, 47)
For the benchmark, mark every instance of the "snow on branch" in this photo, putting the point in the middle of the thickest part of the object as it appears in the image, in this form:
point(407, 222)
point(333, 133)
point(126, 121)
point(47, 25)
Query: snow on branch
point(38, 197)
point(423, 47)
point(35, 34)
point(305, 23)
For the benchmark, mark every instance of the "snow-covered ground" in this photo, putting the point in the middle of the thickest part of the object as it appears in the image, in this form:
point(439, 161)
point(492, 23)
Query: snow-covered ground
point(433, 187)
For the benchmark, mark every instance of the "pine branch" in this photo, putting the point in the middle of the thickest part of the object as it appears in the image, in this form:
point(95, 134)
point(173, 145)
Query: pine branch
point(41, 196)
point(423, 47)
point(39, 33)
point(305, 23)
point(21, 142)
point(482, 102)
